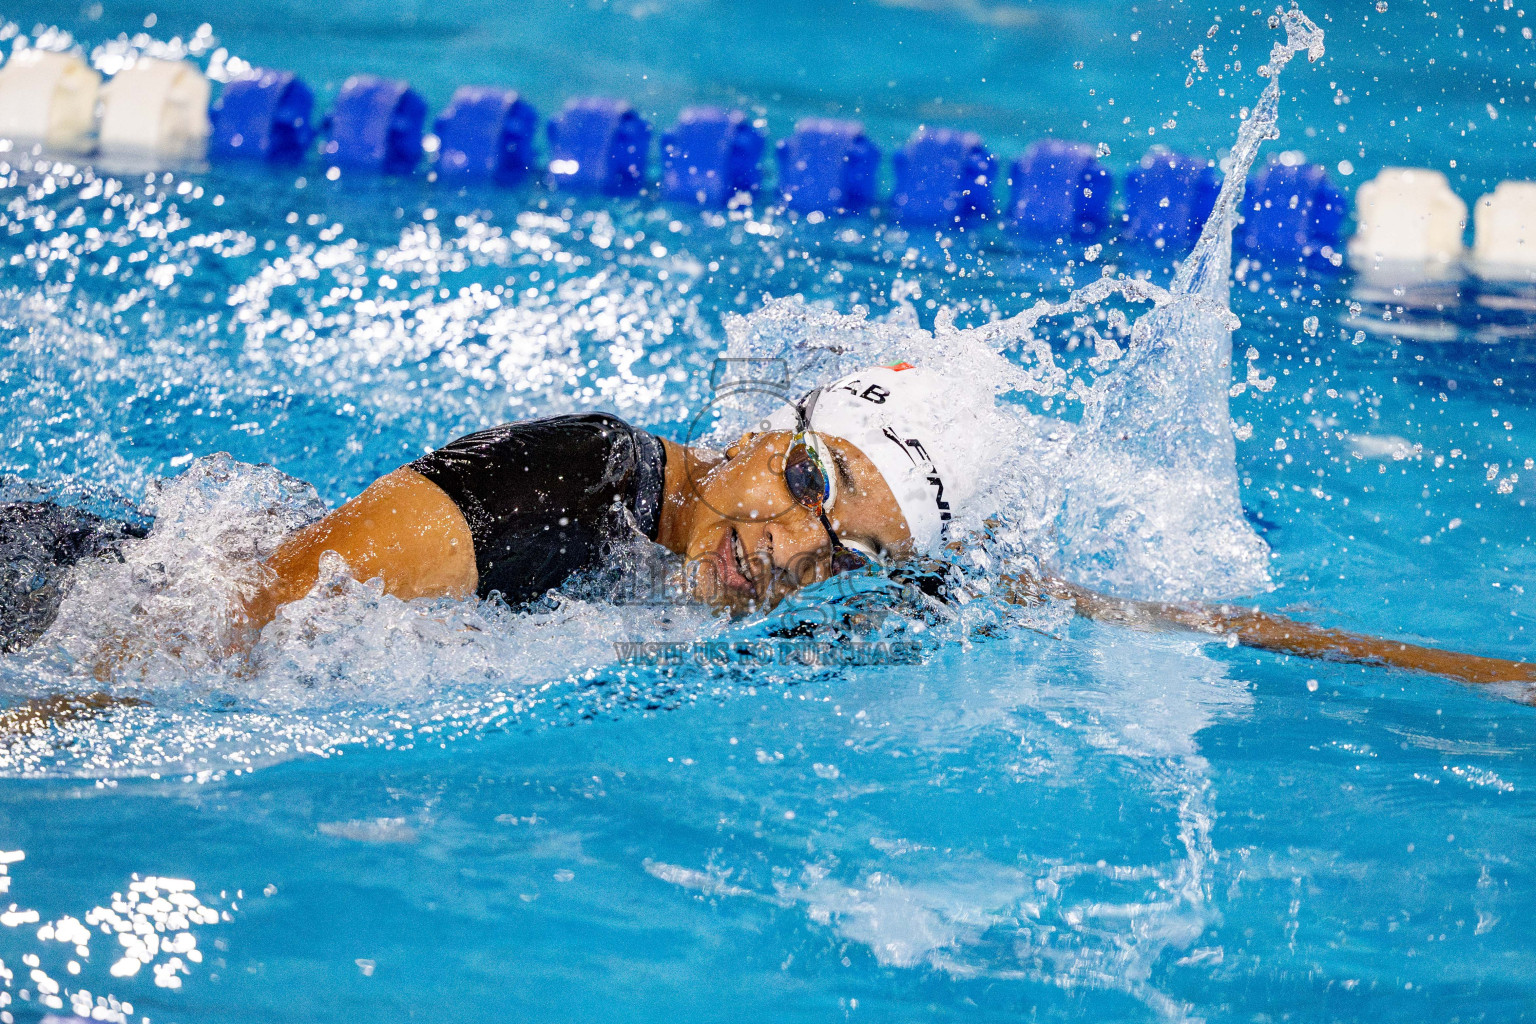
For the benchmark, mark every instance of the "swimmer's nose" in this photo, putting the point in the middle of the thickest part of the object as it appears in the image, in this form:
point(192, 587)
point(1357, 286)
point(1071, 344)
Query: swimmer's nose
point(799, 546)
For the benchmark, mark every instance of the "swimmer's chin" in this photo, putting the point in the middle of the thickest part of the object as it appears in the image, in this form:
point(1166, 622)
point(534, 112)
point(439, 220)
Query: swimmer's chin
point(738, 601)
point(732, 602)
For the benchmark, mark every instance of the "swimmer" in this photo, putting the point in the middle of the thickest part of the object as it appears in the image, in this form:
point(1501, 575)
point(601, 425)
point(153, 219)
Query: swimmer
point(867, 472)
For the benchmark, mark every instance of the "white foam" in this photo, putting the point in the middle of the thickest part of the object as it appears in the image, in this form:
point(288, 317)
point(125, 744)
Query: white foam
point(1152, 513)
point(346, 664)
point(171, 606)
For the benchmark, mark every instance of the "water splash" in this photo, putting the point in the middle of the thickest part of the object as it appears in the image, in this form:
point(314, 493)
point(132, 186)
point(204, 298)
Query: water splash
point(1137, 494)
point(348, 664)
point(1207, 270)
point(1140, 495)
point(1161, 420)
point(170, 606)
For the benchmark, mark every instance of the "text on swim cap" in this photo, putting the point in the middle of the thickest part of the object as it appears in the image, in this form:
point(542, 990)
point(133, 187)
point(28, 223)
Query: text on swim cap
point(931, 474)
point(874, 393)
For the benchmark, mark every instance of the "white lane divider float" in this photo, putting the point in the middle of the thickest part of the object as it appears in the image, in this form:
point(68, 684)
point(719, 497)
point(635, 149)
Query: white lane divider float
point(49, 98)
point(156, 108)
point(1407, 215)
point(1505, 222)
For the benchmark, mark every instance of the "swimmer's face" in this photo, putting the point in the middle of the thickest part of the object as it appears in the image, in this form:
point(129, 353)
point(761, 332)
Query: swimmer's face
point(752, 543)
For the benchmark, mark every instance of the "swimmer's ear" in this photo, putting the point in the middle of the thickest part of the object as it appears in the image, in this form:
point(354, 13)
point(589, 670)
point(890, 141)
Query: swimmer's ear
point(741, 442)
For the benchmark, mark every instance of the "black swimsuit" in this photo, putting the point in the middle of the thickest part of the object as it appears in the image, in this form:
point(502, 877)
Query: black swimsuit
point(547, 498)
point(544, 499)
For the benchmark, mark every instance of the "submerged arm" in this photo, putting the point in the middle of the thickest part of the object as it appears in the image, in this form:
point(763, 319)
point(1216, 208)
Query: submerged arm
point(39, 714)
point(1268, 632)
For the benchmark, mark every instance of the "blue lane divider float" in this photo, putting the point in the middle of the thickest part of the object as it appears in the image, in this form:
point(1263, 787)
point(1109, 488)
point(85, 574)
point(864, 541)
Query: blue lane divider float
point(943, 177)
point(1059, 190)
point(376, 125)
point(1292, 211)
point(599, 145)
point(827, 166)
point(1168, 197)
point(264, 115)
point(486, 134)
point(709, 156)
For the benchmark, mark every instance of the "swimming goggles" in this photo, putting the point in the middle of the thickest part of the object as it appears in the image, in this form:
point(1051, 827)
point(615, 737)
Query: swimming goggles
point(809, 474)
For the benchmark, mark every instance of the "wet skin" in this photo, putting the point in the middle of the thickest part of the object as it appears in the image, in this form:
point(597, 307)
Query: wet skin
point(746, 542)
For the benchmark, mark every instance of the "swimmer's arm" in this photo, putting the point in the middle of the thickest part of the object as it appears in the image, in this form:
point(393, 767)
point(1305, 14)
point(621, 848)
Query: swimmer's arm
point(1264, 631)
point(403, 529)
point(40, 713)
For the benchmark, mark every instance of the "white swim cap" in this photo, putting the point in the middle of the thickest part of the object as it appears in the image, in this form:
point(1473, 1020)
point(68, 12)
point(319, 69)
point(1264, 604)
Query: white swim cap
point(906, 420)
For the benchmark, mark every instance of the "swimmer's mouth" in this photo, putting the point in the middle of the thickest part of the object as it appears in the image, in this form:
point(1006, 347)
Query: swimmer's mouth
point(738, 574)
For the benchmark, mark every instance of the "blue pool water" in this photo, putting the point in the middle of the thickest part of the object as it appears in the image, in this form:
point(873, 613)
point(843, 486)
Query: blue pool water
point(386, 815)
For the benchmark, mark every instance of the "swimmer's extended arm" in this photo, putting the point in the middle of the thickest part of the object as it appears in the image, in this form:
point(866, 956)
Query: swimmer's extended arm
point(1268, 632)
